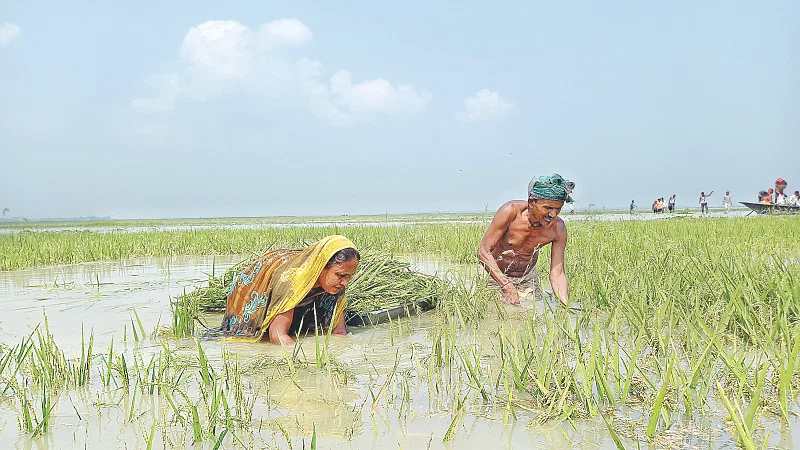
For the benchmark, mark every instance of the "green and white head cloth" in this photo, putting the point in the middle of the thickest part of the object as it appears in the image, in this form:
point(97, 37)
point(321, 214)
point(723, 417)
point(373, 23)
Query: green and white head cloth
point(551, 187)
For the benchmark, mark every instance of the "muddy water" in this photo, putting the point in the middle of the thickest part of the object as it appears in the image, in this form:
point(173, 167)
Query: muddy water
point(338, 402)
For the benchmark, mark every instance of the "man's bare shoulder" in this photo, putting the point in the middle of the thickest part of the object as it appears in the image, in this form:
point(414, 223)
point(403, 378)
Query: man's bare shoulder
point(512, 207)
point(561, 229)
point(509, 212)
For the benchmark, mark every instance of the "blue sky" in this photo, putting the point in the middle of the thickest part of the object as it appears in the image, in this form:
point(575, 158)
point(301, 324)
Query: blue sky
point(186, 109)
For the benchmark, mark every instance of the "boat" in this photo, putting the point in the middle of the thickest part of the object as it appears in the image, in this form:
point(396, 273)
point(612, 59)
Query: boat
point(765, 208)
point(357, 319)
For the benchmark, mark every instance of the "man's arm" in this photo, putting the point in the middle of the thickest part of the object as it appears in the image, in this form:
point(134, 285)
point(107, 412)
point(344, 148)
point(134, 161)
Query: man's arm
point(558, 278)
point(491, 238)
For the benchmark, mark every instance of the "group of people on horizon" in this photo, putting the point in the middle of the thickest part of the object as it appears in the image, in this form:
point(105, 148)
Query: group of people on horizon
point(778, 195)
point(661, 207)
point(290, 292)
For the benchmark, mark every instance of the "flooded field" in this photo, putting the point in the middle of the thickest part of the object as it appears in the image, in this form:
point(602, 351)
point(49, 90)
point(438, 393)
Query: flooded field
point(690, 344)
point(375, 389)
point(287, 403)
point(140, 226)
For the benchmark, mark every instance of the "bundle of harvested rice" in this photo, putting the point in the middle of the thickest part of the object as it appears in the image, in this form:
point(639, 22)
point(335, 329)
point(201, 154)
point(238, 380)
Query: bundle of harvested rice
point(380, 282)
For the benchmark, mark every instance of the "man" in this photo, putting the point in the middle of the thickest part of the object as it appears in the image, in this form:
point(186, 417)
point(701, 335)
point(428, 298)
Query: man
point(726, 201)
point(510, 247)
point(633, 205)
point(794, 200)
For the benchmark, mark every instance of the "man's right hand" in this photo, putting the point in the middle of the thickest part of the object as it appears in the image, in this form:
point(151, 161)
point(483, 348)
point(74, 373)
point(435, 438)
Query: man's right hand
point(510, 294)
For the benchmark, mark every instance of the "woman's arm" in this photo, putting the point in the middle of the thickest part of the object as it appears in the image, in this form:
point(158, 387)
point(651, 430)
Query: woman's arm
point(340, 328)
point(279, 328)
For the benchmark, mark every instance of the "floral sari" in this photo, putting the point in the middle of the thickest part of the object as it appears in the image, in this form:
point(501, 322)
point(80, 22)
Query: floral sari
point(278, 282)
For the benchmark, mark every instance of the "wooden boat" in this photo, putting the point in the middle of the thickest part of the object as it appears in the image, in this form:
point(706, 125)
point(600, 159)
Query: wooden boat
point(763, 208)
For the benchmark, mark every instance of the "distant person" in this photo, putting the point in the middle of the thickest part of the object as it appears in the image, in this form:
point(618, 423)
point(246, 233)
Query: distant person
point(633, 205)
point(671, 204)
point(658, 205)
point(780, 186)
point(510, 247)
point(571, 208)
point(766, 197)
point(780, 198)
point(289, 292)
point(726, 201)
point(704, 202)
point(794, 200)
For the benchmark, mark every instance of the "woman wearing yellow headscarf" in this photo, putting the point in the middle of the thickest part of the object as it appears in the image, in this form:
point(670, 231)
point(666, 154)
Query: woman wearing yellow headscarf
point(287, 292)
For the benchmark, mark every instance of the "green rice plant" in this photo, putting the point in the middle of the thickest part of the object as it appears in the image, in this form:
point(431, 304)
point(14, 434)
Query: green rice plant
point(19, 354)
point(197, 428)
point(28, 416)
point(749, 418)
point(658, 403)
point(205, 369)
point(459, 413)
point(614, 435)
point(185, 314)
point(139, 323)
point(744, 434)
point(151, 436)
point(107, 377)
point(220, 438)
point(84, 367)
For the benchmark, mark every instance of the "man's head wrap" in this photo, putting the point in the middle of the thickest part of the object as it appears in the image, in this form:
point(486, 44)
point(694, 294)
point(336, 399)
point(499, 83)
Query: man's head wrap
point(551, 187)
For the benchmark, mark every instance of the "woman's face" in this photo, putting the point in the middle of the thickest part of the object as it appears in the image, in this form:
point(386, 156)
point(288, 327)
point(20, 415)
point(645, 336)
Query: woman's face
point(337, 276)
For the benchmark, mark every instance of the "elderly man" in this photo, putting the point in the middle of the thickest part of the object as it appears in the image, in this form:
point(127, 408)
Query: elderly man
point(510, 247)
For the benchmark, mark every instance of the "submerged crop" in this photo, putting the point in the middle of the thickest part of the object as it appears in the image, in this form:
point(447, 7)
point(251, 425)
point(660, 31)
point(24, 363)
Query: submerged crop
point(681, 332)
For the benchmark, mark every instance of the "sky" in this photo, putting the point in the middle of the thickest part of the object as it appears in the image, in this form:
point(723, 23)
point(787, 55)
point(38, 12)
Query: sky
point(253, 108)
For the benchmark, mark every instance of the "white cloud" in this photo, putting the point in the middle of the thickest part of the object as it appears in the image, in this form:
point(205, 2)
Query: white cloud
point(221, 55)
point(219, 48)
point(375, 95)
point(8, 33)
point(285, 32)
point(485, 105)
point(343, 102)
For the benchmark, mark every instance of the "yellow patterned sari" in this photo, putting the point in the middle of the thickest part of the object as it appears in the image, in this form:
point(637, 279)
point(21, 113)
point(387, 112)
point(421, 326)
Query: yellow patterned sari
point(278, 282)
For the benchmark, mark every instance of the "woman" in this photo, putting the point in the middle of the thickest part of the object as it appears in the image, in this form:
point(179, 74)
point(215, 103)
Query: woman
point(766, 197)
point(288, 292)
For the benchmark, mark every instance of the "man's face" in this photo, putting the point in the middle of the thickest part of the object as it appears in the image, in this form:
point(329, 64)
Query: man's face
point(542, 213)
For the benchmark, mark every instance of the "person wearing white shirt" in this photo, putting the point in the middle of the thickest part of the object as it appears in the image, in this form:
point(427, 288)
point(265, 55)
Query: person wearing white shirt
point(726, 201)
point(794, 200)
